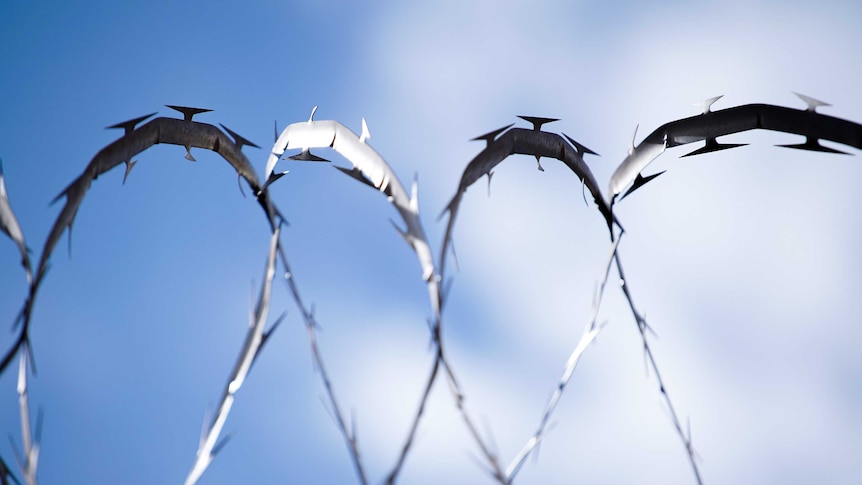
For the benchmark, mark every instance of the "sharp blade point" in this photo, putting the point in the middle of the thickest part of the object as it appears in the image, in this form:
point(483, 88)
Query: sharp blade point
point(714, 146)
point(814, 146)
point(706, 104)
point(538, 161)
point(187, 111)
point(632, 146)
point(639, 182)
point(356, 174)
point(492, 135)
point(581, 149)
point(307, 156)
point(537, 121)
point(129, 125)
point(812, 103)
point(366, 134)
point(237, 139)
point(129, 166)
point(272, 178)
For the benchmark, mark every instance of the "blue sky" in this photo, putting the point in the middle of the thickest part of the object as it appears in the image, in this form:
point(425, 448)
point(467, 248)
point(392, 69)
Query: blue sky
point(745, 261)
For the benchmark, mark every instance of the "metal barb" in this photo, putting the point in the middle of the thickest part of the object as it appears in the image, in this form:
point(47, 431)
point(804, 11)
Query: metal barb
point(366, 134)
point(357, 174)
point(187, 111)
point(492, 135)
point(538, 121)
point(634, 135)
point(272, 178)
point(311, 117)
point(538, 161)
point(189, 156)
point(306, 156)
point(581, 149)
point(713, 146)
point(129, 166)
point(639, 182)
point(812, 103)
point(129, 126)
point(707, 103)
point(813, 145)
point(237, 139)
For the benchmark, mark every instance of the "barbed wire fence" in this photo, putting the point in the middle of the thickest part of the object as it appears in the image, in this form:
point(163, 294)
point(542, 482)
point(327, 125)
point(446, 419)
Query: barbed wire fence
point(370, 168)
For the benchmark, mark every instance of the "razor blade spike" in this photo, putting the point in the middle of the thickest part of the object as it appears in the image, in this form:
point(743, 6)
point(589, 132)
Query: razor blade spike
point(366, 134)
point(189, 156)
point(634, 135)
point(639, 182)
point(238, 139)
point(813, 145)
point(311, 116)
point(188, 112)
point(306, 156)
point(812, 103)
point(581, 149)
point(492, 135)
point(272, 178)
point(414, 194)
point(539, 163)
point(129, 125)
point(538, 121)
point(713, 146)
point(706, 104)
point(129, 166)
point(356, 174)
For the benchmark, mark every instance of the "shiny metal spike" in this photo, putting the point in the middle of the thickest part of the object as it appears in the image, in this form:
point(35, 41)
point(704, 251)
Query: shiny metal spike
point(706, 104)
point(812, 103)
point(366, 134)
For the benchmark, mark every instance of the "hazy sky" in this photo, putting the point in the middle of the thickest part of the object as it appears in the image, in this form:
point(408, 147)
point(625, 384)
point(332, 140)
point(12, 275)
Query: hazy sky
point(745, 262)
